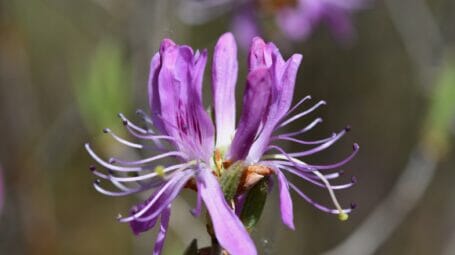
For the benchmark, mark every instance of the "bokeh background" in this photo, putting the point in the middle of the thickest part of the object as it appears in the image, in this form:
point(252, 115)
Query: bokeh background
point(68, 67)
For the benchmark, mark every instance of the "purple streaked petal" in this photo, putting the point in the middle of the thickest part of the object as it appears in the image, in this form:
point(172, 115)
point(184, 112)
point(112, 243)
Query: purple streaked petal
point(284, 76)
point(182, 112)
point(153, 94)
point(287, 214)
point(255, 102)
point(144, 216)
point(229, 230)
point(224, 79)
point(197, 73)
point(153, 85)
point(164, 223)
point(259, 54)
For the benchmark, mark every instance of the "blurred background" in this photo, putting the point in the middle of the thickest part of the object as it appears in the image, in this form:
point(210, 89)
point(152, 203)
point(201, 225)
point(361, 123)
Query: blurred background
point(68, 67)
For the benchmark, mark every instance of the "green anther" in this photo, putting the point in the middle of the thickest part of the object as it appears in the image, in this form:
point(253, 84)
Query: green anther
point(159, 170)
point(343, 216)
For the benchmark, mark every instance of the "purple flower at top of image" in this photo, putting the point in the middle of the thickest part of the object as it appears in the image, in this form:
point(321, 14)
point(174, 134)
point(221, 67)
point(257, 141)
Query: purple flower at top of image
point(192, 150)
point(296, 19)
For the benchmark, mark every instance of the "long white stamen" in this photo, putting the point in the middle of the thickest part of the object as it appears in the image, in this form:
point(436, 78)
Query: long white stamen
point(132, 125)
point(298, 116)
point(342, 214)
point(123, 141)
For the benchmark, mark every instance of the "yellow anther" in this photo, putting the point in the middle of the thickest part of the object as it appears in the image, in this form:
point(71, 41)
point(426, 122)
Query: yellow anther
point(343, 216)
point(159, 170)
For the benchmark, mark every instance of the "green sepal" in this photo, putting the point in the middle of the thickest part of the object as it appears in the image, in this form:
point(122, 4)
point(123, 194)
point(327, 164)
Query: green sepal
point(230, 180)
point(254, 204)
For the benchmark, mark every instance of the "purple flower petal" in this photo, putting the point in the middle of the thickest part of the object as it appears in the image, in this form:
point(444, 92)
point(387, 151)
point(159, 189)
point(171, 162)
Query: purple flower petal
point(287, 214)
point(161, 237)
point(224, 79)
point(255, 102)
point(182, 112)
point(153, 96)
point(158, 201)
point(284, 76)
point(260, 55)
point(229, 230)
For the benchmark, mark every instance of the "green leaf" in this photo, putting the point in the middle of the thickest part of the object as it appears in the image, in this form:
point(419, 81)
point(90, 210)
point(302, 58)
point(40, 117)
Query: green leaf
point(230, 179)
point(254, 204)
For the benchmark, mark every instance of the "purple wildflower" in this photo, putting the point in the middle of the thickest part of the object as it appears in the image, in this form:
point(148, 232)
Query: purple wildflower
point(181, 131)
point(296, 19)
point(297, 22)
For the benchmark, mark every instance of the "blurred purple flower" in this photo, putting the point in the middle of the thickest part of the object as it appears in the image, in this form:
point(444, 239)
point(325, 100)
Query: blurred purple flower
point(297, 19)
point(298, 22)
point(181, 130)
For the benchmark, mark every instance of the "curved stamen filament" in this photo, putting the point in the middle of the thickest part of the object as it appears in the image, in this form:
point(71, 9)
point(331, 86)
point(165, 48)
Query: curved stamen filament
point(121, 140)
point(317, 205)
point(300, 115)
point(332, 194)
point(313, 181)
point(146, 118)
point(287, 164)
point(300, 102)
point(149, 160)
point(321, 147)
point(161, 173)
point(287, 138)
point(110, 166)
point(329, 188)
point(97, 186)
point(156, 196)
point(341, 163)
point(342, 214)
point(305, 129)
point(128, 123)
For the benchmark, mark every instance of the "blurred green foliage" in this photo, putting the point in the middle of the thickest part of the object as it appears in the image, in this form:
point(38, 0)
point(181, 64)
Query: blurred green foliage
point(103, 88)
point(441, 116)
